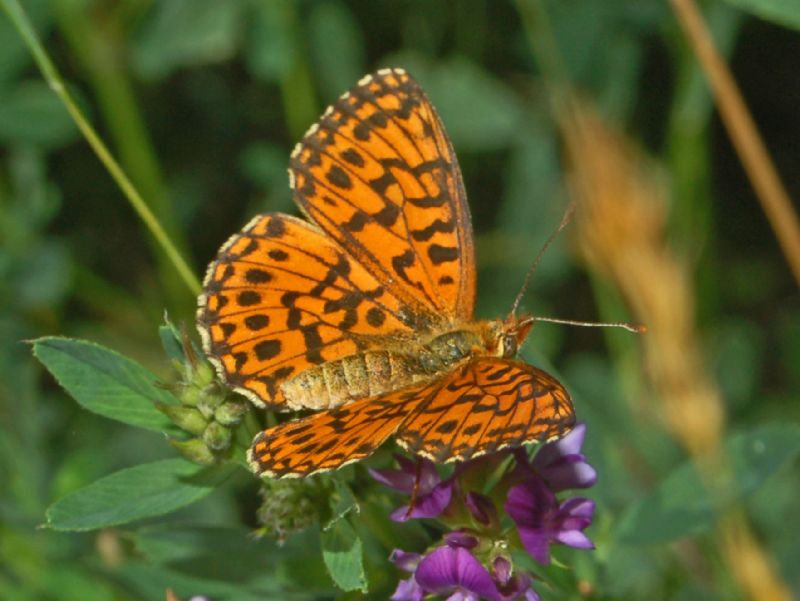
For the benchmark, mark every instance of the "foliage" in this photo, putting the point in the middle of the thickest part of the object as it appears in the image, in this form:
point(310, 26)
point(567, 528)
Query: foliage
point(203, 101)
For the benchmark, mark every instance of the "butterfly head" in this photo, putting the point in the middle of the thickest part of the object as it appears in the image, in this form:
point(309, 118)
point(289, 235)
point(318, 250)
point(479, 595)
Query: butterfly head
point(508, 335)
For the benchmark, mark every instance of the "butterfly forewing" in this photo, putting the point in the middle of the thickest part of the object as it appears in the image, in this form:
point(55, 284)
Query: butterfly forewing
point(378, 174)
point(281, 297)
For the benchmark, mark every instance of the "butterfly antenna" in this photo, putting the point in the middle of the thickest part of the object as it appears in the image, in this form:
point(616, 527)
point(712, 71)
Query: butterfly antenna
point(564, 222)
point(636, 328)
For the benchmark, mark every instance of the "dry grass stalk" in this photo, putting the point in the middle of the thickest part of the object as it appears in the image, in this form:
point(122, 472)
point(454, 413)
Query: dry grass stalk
point(744, 134)
point(621, 217)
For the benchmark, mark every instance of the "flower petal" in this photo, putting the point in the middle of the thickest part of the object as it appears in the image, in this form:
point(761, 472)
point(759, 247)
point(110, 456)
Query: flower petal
point(405, 560)
point(537, 543)
point(530, 595)
point(428, 505)
point(502, 570)
point(579, 507)
point(529, 502)
point(394, 479)
point(447, 568)
point(421, 474)
point(432, 504)
point(574, 538)
point(569, 472)
point(428, 476)
point(567, 445)
point(401, 514)
point(517, 588)
point(481, 508)
point(460, 539)
point(408, 590)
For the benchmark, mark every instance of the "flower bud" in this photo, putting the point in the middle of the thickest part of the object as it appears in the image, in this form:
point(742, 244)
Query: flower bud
point(194, 450)
point(190, 395)
point(210, 398)
point(186, 418)
point(204, 374)
point(217, 437)
point(288, 507)
point(230, 413)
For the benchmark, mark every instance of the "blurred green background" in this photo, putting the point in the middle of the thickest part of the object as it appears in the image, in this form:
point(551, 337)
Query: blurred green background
point(202, 101)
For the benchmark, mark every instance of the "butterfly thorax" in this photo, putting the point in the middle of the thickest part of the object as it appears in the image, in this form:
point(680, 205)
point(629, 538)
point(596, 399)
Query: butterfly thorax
point(399, 361)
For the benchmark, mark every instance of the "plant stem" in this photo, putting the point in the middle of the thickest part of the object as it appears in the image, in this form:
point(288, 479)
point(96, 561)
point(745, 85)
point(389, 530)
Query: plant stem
point(23, 26)
point(743, 133)
point(96, 38)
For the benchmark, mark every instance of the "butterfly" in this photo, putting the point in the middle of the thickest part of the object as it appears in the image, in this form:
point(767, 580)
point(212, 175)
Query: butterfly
point(363, 311)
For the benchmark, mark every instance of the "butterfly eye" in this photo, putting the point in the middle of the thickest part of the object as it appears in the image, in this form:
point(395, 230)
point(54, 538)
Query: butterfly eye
point(509, 345)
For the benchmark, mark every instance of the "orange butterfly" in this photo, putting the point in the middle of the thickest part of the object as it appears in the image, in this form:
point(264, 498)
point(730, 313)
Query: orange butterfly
point(363, 313)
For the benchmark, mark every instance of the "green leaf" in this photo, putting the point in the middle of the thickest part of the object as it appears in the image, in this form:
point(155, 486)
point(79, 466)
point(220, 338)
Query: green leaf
point(32, 113)
point(187, 33)
point(682, 505)
point(14, 56)
point(105, 382)
point(336, 46)
point(271, 50)
point(219, 556)
point(782, 12)
point(265, 166)
point(171, 340)
point(150, 581)
point(343, 555)
point(342, 503)
point(135, 493)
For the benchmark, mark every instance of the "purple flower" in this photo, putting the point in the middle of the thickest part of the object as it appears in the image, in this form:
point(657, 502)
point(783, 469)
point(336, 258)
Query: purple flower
point(407, 590)
point(542, 521)
point(459, 538)
point(430, 495)
point(512, 586)
point(455, 572)
point(482, 509)
point(561, 463)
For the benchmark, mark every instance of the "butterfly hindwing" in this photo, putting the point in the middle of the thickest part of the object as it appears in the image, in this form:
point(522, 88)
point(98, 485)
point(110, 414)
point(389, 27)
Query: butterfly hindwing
point(484, 406)
point(331, 439)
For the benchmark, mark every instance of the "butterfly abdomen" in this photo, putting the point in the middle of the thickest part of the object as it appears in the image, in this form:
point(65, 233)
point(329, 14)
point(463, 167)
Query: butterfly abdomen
point(353, 377)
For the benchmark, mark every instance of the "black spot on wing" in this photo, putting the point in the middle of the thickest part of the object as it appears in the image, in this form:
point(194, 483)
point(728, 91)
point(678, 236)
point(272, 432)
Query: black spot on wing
point(357, 221)
point(388, 215)
point(447, 427)
point(470, 430)
point(352, 156)
point(375, 317)
point(276, 254)
point(256, 322)
point(257, 276)
point(267, 349)
point(442, 254)
point(248, 298)
point(339, 178)
point(427, 233)
point(402, 262)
